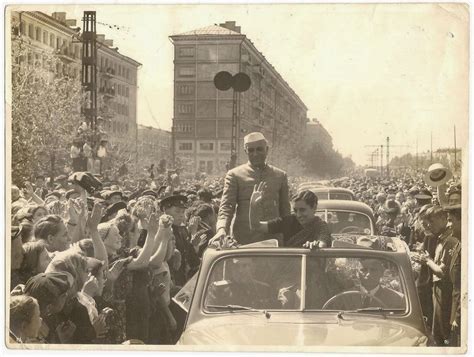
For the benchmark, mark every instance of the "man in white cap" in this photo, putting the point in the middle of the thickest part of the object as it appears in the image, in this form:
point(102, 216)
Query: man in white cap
point(238, 188)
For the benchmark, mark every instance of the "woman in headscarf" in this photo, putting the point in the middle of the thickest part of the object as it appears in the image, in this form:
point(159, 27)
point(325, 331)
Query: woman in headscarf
point(76, 311)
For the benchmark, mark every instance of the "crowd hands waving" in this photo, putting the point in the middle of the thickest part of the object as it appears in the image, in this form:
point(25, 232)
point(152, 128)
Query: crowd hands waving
point(99, 266)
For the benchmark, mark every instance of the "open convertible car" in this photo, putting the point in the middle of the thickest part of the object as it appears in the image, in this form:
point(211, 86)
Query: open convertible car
point(347, 295)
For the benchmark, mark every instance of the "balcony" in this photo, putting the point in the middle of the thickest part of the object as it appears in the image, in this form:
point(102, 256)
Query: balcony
point(66, 54)
point(107, 92)
point(107, 72)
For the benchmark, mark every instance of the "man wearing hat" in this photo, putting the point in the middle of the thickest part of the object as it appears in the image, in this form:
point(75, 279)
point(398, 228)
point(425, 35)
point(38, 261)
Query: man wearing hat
point(238, 188)
point(175, 206)
point(423, 240)
point(442, 287)
point(454, 273)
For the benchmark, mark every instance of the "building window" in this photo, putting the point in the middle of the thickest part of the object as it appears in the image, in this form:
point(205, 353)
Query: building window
point(58, 43)
point(127, 73)
point(185, 108)
point(38, 34)
point(126, 92)
point(224, 146)
point(185, 89)
point(185, 146)
point(187, 71)
point(45, 37)
point(206, 146)
point(31, 31)
point(186, 52)
point(184, 128)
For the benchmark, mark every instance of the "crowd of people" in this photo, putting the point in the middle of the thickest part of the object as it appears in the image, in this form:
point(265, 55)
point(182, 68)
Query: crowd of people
point(427, 216)
point(97, 262)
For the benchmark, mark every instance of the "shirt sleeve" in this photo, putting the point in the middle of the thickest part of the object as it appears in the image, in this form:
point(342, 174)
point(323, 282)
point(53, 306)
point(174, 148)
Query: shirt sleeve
point(228, 202)
point(276, 225)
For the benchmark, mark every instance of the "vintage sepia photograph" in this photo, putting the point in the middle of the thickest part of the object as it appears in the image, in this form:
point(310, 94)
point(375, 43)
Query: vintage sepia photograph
point(237, 177)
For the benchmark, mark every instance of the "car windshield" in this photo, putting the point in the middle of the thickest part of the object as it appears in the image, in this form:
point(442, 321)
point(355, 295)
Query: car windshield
point(256, 282)
point(346, 221)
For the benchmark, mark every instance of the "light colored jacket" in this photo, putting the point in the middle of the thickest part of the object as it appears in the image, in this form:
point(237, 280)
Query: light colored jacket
point(235, 202)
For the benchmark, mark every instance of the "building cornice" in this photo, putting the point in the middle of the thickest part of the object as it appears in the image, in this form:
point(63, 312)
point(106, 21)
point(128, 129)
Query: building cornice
point(50, 21)
point(103, 47)
point(273, 70)
point(63, 27)
point(200, 38)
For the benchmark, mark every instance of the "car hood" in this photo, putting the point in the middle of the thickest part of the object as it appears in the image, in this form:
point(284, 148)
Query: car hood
point(257, 330)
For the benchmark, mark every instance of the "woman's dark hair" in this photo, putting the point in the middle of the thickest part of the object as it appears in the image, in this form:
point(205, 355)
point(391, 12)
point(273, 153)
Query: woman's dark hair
point(46, 288)
point(46, 226)
point(308, 197)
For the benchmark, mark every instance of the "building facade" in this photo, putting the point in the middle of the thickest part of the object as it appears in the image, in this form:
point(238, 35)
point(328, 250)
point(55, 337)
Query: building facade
point(117, 93)
point(153, 145)
point(45, 34)
point(202, 121)
point(316, 133)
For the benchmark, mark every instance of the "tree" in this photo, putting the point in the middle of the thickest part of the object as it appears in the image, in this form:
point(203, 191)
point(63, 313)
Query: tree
point(46, 102)
point(325, 162)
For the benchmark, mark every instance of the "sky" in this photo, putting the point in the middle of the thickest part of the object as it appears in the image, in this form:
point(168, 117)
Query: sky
point(365, 71)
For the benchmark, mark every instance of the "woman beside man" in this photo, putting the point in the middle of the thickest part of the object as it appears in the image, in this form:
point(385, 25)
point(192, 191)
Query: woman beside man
point(298, 228)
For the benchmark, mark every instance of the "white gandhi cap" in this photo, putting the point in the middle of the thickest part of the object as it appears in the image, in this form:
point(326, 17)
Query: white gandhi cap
point(254, 137)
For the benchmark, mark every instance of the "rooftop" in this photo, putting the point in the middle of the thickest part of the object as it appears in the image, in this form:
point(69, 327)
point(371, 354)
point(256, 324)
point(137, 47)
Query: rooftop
point(210, 30)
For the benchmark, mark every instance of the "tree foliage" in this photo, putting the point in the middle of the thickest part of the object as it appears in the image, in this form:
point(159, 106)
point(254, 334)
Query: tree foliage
point(325, 162)
point(45, 111)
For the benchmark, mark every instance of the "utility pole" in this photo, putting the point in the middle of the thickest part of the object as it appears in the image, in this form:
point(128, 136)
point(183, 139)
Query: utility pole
point(89, 76)
point(381, 160)
point(381, 155)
